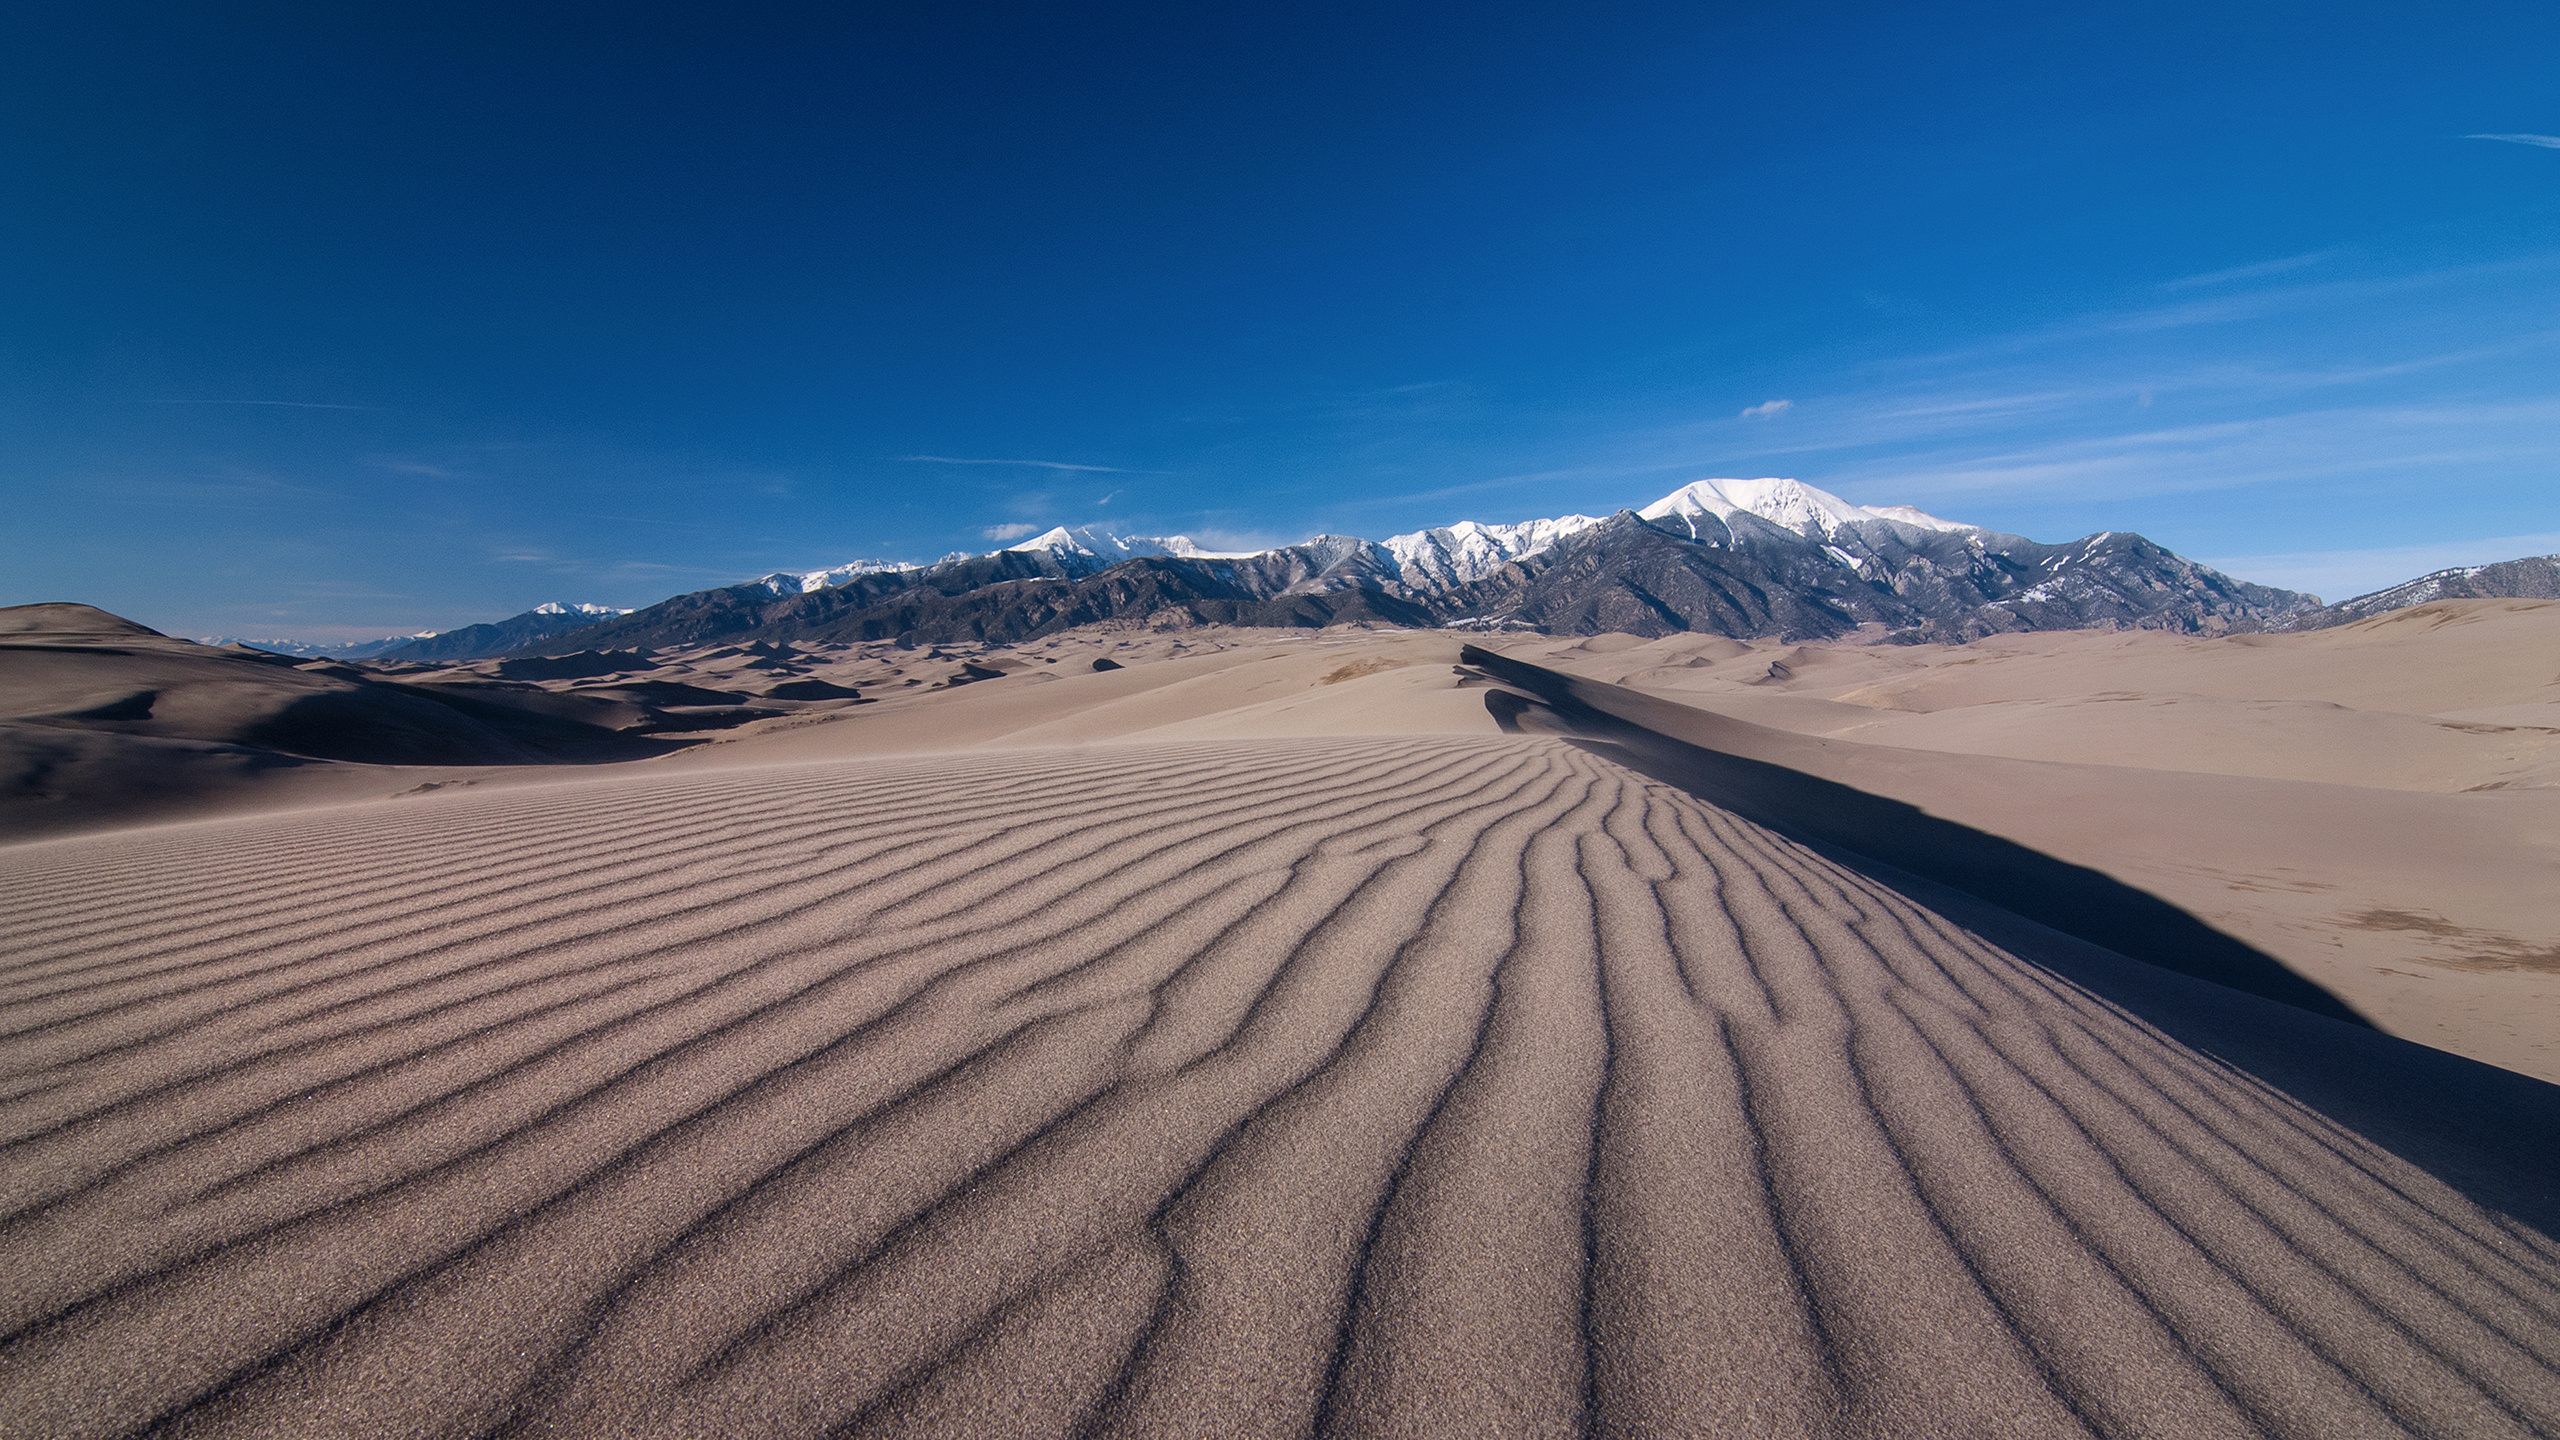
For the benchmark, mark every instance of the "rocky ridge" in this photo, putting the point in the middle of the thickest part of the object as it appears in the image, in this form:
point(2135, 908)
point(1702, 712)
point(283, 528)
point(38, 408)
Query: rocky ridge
point(1746, 558)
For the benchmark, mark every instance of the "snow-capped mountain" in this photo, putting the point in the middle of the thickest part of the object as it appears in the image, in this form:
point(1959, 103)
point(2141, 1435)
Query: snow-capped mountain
point(1739, 557)
point(2534, 577)
point(303, 650)
point(1790, 505)
point(1450, 555)
point(1095, 544)
point(472, 642)
point(801, 582)
point(1466, 552)
point(1444, 556)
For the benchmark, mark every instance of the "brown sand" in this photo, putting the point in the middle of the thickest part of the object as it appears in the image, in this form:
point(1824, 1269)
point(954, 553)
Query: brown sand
point(2377, 805)
point(1422, 1084)
point(1249, 1041)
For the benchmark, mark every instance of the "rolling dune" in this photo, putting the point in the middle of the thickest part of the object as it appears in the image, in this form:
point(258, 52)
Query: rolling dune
point(2376, 805)
point(1395, 1085)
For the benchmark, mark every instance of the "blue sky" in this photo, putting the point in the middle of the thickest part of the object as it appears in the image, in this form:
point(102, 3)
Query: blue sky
point(326, 322)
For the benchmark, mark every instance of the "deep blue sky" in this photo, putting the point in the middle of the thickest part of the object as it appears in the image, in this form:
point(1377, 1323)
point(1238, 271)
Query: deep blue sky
point(327, 321)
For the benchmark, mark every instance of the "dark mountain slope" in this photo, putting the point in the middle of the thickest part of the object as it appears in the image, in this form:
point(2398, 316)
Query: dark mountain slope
point(1016, 595)
point(1651, 578)
point(1744, 577)
point(2535, 577)
point(498, 637)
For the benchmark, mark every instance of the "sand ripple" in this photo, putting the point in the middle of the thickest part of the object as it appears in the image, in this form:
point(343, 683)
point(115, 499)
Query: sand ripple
point(1429, 1086)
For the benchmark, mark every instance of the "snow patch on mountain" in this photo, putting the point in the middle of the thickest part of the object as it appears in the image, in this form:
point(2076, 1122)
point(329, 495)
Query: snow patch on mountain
point(1446, 556)
point(1817, 515)
point(304, 650)
point(1092, 542)
point(1450, 555)
point(801, 582)
point(2529, 577)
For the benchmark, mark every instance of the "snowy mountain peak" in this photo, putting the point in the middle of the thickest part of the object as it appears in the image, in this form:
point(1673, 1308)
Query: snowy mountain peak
point(1762, 557)
point(801, 582)
point(1468, 551)
point(1788, 504)
point(1446, 556)
point(1096, 543)
point(575, 607)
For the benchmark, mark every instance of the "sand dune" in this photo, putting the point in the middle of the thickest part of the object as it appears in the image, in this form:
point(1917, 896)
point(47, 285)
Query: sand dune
point(2376, 805)
point(2452, 696)
point(1461, 1085)
point(103, 721)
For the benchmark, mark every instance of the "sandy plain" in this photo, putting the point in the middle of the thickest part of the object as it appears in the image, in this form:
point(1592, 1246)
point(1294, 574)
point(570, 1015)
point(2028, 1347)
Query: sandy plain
point(1267, 1037)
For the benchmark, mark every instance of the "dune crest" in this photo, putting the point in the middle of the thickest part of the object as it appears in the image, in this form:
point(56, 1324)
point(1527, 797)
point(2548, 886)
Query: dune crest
point(1428, 1085)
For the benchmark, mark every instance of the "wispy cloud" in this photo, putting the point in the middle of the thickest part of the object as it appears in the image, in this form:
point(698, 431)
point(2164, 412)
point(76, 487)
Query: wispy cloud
point(1107, 499)
point(2343, 574)
point(2334, 444)
point(2274, 302)
point(2547, 142)
point(1987, 407)
point(1767, 409)
point(2247, 272)
point(1002, 533)
point(1040, 464)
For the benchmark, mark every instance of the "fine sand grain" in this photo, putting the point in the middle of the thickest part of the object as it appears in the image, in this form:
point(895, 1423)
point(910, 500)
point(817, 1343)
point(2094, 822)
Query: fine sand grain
point(1398, 1085)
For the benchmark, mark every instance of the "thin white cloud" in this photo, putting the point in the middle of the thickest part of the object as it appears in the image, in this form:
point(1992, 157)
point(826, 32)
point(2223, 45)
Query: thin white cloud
point(1001, 533)
point(2330, 295)
point(1040, 464)
point(1107, 499)
point(2248, 272)
point(2547, 142)
point(2344, 574)
point(1767, 409)
point(2305, 445)
point(1988, 406)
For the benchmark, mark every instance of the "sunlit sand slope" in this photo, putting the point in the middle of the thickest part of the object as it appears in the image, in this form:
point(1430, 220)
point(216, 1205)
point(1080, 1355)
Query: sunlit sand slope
point(1431, 1086)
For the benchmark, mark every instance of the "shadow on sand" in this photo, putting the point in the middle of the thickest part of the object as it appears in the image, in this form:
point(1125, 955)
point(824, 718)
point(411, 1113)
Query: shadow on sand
point(2490, 1133)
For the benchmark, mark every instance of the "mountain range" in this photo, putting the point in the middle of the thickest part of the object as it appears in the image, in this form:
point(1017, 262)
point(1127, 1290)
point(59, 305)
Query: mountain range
point(2535, 577)
point(471, 642)
point(498, 637)
point(1748, 558)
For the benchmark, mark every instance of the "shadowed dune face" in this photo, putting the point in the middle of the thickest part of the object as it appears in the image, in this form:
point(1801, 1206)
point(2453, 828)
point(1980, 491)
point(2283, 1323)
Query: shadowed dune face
point(1396, 1086)
point(2373, 806)
point(2073, 899)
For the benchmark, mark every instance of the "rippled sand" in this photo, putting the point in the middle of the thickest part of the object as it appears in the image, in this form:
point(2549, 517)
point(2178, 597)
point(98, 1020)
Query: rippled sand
point(1428, 1085)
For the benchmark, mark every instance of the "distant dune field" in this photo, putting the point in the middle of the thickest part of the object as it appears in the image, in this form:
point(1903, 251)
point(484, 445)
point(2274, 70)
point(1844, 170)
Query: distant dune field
point(2376, 805)
point(1433, 1085)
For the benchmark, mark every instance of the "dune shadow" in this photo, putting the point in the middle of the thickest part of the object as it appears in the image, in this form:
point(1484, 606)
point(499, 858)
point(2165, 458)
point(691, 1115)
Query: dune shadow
point(2491, 1133)
point(2070, 898)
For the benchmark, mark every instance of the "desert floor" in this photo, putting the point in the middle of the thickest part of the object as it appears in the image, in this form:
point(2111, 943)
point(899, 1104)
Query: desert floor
point(1272, 1037)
